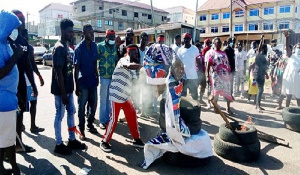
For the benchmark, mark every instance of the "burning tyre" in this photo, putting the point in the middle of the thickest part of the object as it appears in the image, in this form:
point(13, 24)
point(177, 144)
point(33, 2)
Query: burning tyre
point(291, 118)
point(239, 145)
point(237, 136)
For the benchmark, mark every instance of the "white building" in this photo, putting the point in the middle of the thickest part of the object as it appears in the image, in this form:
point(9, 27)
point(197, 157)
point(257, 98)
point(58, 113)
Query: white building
point(180, 14)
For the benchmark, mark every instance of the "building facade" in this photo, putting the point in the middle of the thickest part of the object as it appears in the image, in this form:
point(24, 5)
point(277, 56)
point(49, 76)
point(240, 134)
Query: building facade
point(250, 19)
point(180, 14)
point(116, 14)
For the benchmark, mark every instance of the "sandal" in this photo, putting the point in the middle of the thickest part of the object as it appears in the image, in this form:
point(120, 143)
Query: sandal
point(28, 149)
point(37, 130)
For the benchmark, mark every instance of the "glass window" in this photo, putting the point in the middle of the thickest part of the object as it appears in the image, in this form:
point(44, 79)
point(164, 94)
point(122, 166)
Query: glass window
point(202, 17)
point(144, 14)
point(110, 23)
point(83, 8)
point(99, 23)
point(202, 30)
point(89, 22)
point(149, 16)
point(226, 15)
point(215, 16)
point(285, 9)
point(268, 26)
point(225, 28)
point(120, 25)
point(214, 30)
point(284, 25)
point(239, 28)
point(296, 9)
point(110, 11)
point(254, 12)
point(269, 11)
point(239, 13)
point(124, 13)
point(136, 14)
point(253, 27)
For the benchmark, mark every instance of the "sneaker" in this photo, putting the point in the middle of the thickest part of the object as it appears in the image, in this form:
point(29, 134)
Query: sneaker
point(102, 126)
point(62, 149)
point(138, 143)
point(106, 147)
point(93, 130)
point(75, 144)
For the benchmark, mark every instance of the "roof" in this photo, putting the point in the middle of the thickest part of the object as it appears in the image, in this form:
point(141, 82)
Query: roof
point(216, 5)
point(58, 6)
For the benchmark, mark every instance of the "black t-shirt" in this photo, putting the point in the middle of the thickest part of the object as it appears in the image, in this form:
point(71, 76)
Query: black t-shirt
point(62, 59)
point(230, 55)
point(261, 67)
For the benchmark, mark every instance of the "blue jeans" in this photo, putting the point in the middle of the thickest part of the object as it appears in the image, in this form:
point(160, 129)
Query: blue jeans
point(90, 96)
point(104, 100)
point(59, 115)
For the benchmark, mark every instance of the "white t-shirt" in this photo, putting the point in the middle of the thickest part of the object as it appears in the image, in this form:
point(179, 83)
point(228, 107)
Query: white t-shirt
point(251, 53)
point(176, 48)
point(240, 58)
point(188, 57)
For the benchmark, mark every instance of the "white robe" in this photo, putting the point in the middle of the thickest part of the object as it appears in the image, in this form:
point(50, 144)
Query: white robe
point(291, 77)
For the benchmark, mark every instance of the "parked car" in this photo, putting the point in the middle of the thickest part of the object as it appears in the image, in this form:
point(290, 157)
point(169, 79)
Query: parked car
point(48, 57)
point(38, 53)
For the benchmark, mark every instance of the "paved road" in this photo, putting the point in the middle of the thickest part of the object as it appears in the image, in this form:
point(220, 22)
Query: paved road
point(124, 159)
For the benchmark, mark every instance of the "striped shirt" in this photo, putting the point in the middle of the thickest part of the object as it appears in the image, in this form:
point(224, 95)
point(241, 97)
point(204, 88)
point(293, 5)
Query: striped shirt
point(120, 87)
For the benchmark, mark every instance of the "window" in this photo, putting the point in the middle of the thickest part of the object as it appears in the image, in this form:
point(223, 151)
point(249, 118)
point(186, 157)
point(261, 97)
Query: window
point(110, 23)
point(120, 25)
point(202, 17)
point(225, 28)
point(110, 11)
point(268, 26)
point(214, 30)
point(149, 16)
point(284, 25)
point(202, 30)
point(254, 12)
point(239, 13)
point(285, 9)
point(100, 8)
point(99, 23)
point(124, 13)
point(144, 14)
point(89, 22)
point(296, 9)
point(83, 8)
point(253, 27)
point(116, 10)
point(215, 16)
point(238, 28)
point(269, 11)
point(136, 14)
point(163, 18)
point(226, 15)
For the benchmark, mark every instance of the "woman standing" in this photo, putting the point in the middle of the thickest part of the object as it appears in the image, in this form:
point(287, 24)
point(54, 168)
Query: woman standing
point(218, 72)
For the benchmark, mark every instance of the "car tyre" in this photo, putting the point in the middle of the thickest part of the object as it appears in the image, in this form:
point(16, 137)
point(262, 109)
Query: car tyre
point(291, 118)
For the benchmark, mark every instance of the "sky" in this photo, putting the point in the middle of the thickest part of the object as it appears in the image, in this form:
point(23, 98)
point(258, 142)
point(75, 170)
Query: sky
point(32, 7)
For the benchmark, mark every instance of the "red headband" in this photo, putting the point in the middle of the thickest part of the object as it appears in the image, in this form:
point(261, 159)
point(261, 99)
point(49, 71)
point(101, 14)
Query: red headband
point(161, 38)
point(110, 32)
point(186, 35)
point(19, 15)
point(130, 48)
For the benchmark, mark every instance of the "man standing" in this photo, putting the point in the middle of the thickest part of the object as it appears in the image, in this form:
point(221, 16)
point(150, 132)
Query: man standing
point(273, 58)
point(107, 55)
point(200, 66)
point(260, 72)
point(177, 43)
point(230, 55)
point(187, 54)
point(240, 61)
point(86, 78)
point(62, 88)
point(23, 67)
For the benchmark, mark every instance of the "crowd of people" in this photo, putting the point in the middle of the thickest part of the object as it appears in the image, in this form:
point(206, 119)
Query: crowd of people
point(126, 81)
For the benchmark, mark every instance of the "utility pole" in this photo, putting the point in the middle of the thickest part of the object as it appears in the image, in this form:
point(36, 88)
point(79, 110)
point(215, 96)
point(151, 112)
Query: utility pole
point(230, 23)
point(195, 24)
point(153, 20)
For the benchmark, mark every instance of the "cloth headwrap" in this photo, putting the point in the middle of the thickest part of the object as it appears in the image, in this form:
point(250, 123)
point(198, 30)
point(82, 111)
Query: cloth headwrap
point(186, 35)
point(206, 41)
point(130, 48)
point(160, 38)
point(19, 15)
point(108, 32)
